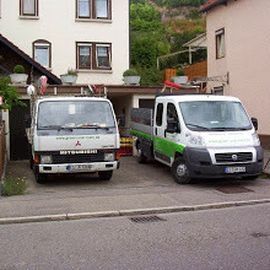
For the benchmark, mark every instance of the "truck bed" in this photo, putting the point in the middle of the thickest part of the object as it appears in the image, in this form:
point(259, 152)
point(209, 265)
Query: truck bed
point(142, 121)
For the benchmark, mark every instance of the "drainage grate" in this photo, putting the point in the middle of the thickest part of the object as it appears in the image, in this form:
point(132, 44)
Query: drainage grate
point(233, 189)
point(144, 219)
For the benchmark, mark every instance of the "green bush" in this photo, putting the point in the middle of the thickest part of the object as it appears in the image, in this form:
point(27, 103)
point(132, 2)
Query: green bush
point(131, 72)
point(9, 93)
point(19, 69)
point(13, 186)
point(72, 71)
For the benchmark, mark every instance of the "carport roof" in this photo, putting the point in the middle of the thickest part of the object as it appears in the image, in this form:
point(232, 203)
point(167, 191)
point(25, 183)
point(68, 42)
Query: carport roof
point(53, 78)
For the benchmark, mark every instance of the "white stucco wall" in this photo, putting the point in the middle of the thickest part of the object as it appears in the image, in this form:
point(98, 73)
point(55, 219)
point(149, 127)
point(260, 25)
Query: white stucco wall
point(247, 42)
point(57, 24)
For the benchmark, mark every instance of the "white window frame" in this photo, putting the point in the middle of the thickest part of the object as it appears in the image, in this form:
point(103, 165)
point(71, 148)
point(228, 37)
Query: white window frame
point(42, 44)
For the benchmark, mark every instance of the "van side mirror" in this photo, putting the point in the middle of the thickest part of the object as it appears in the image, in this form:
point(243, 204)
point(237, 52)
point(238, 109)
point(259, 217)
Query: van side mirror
point(172, 126)
point(254, 122)
point(27, 121)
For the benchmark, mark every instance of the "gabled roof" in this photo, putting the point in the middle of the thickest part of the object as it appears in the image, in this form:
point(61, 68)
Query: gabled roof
point(53, 78)
point(211, 4)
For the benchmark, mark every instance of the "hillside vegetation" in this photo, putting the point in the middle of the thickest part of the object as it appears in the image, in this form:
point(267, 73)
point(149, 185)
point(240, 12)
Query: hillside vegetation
point(161, 27)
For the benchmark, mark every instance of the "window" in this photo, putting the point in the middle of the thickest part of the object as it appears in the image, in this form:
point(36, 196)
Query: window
point(84, 8)
point(93, 9)
point(103, 56)
point(171, 112)
point(220, 43)
point(159, 114)
point(42, 52)
point(94, 56)
point(28, 7)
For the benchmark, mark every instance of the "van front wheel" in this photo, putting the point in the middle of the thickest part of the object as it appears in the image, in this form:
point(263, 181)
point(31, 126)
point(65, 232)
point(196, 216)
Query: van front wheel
point(180, 172)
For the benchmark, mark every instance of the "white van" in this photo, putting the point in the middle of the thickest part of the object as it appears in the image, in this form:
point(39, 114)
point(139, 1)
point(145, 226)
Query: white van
point(199, 136)
point(73, 135)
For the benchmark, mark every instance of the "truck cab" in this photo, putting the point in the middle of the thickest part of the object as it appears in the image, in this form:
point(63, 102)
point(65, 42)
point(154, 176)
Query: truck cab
point(73, 135)
point(203, 136)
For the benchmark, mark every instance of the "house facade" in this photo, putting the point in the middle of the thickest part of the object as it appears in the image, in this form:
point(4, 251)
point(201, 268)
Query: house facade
point(238, 38)
point(91, 36)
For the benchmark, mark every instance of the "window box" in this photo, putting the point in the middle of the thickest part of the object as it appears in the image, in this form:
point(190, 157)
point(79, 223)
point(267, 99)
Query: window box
point(68, 79)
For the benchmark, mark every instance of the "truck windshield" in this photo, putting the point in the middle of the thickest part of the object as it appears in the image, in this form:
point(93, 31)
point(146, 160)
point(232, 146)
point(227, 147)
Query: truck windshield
point(214, 115)
point(75, 114)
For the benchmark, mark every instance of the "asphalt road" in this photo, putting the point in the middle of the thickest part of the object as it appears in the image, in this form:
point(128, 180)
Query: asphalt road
point(237, 238)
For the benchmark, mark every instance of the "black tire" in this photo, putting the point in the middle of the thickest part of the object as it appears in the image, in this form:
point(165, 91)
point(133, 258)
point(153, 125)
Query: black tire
point(180, 172)
point(40, 177)
point(141, 158)
point(31, 163)
point(105, 175)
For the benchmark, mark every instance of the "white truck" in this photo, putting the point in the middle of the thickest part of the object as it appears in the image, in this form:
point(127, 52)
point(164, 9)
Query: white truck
point(199, 136)
point(73, 135)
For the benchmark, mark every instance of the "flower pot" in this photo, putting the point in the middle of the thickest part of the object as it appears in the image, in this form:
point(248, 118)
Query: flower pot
point(18, 78)
point(68, 79)
point(132, 80)
point(180, 79)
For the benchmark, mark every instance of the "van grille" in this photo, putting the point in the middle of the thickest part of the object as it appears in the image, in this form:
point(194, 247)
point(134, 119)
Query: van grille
point(82, 158)
point(233, 157)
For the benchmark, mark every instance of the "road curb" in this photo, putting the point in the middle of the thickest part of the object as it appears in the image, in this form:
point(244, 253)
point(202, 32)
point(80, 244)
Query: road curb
point(131, 212)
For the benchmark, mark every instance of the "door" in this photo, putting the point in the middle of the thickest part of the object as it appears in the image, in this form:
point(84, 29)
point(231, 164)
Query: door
point(19, 148)
point(166, 143)
point(159, 138)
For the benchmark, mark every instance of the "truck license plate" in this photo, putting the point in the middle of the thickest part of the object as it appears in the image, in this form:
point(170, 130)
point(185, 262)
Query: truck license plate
point(235, 169)
point(78, 168)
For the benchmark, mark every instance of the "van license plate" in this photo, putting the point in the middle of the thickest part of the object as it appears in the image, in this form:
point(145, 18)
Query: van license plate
point(235, 169)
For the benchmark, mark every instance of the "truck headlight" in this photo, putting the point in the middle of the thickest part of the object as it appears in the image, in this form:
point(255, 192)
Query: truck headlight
point(45, 159)
point(109, 157)
point(256, 139)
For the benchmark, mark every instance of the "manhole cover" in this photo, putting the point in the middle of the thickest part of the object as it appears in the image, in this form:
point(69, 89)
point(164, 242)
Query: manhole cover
point(233, 189)
point(145, 219)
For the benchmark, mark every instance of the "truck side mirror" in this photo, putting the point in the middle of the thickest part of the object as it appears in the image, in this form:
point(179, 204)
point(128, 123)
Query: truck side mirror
point(254, 122)
point(172, 126)
point(27, 121)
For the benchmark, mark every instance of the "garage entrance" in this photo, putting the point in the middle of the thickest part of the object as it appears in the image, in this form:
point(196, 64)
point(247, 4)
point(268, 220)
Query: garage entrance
point(19, 149)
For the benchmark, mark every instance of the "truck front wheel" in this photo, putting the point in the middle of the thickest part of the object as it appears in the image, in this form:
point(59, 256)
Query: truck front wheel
point(105, 175)
point(40, 178)
point(180, 172)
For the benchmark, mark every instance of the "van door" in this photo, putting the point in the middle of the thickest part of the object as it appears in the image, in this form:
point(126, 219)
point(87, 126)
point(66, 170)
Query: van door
point(159, 127)
point(172, 136)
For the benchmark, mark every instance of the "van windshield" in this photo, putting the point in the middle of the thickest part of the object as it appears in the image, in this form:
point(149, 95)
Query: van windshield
point(75, 114)
point(214, 115)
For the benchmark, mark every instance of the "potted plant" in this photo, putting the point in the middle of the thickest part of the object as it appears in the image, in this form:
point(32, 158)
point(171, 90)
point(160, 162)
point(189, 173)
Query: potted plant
point(18, 76)
point(180, 77)
point(131, 77)
point(70, 77)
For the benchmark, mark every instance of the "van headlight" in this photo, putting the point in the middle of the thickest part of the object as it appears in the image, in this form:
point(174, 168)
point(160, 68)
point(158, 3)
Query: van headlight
point(195, 140)
point(45, 159)
point(256, 139)
point(109, 157)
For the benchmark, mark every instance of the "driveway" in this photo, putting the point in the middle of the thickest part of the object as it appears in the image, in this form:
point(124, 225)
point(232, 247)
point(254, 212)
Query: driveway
point(133, 186)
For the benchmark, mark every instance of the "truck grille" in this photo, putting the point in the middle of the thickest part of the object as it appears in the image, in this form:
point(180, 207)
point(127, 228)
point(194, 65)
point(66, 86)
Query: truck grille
point(233, 157)
point(81, 158)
